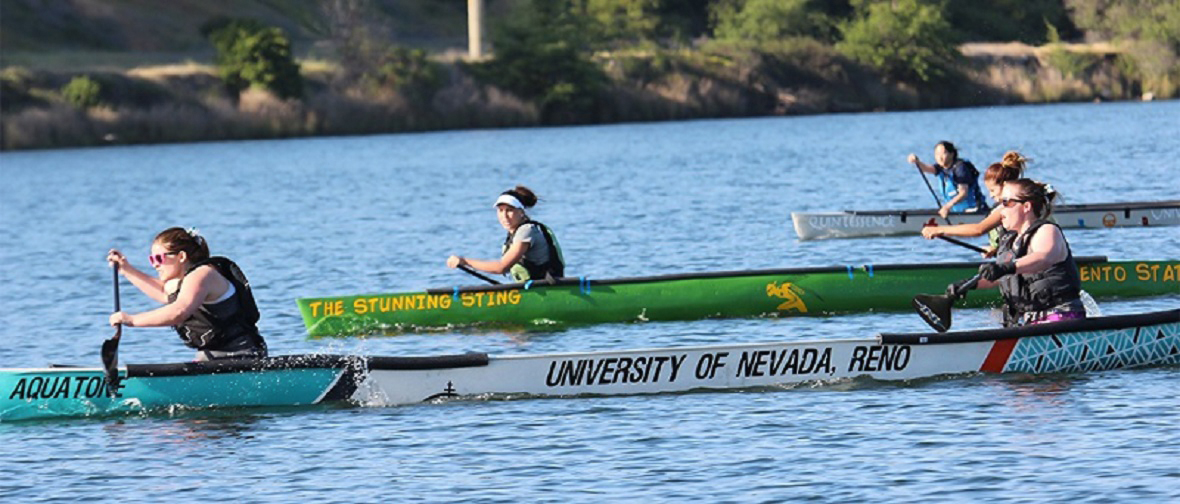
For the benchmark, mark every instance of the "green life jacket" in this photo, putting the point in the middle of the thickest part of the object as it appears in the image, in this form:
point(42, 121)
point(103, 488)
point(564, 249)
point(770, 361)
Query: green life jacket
point(525, 270)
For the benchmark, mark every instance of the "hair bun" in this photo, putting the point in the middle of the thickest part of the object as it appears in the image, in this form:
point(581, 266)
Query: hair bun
point(195, 234)
point(1013, 159)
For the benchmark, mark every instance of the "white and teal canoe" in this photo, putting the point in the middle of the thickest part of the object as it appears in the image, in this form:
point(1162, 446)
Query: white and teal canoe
point(863, 224)
point(1101, 343)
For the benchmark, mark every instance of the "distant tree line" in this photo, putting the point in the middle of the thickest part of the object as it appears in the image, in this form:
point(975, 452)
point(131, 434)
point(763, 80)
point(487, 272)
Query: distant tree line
point(545, 52)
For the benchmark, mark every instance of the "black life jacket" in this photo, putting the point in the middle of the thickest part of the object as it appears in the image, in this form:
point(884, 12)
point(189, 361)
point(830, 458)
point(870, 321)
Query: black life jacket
point(217, 326)
point(553, 267)
point(1061, 283)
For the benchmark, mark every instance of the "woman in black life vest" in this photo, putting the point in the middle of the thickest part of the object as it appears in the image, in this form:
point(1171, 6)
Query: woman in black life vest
point(1034, 269)
point(206, 299)
point(530, 250)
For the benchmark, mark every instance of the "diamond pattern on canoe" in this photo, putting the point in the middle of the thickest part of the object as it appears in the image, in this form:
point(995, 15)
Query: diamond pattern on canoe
point(1089, 351)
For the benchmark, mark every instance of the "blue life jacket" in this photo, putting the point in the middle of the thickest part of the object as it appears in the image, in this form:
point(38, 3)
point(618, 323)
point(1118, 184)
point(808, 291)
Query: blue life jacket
point(974, 201)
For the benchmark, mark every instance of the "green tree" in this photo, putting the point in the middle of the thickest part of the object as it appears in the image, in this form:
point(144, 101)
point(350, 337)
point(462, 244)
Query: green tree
point(1004, 20)
point(1148, 29)
point(625, 19)
point(1146, 20)
point(763, 21)
point(543, 55)
point(252, 54)
point(82, 92)
point(616, 22)
point(905, 39)
point(684, 19)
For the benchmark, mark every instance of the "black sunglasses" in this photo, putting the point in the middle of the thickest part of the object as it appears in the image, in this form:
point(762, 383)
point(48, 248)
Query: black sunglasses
point(1008, 202)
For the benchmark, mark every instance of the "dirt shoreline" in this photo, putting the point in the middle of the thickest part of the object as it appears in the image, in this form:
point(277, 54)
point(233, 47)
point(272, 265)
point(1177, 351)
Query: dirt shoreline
point(187, 103)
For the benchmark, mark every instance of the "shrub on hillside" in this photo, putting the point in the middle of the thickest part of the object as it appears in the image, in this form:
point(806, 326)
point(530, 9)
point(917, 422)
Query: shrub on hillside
point(410, 72)
point(252, 54)
point(1069, 63)
point(16, 90)
point(82, 92)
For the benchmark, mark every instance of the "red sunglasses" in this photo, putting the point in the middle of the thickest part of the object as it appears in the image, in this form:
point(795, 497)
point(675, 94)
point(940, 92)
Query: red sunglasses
point(158, 259)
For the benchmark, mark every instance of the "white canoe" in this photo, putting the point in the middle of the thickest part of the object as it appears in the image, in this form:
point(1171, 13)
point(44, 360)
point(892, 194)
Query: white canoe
point(1075, 346)
point(860, 224)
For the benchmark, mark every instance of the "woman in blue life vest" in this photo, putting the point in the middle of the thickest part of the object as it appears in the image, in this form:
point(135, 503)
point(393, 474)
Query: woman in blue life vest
point(1011, 167)
point(206, 299)
point(958, 180)
point(530, 250)
point(1034, 269)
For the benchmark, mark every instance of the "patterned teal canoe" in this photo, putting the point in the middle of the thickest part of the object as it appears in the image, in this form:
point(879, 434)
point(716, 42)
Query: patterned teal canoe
point(1123, 341)
point(774, 293)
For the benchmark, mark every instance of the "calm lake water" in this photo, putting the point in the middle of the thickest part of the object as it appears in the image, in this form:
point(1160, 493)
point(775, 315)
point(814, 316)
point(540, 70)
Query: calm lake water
point(381, 213)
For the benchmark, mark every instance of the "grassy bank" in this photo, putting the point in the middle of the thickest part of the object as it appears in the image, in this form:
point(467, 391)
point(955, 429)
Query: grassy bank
point(187, 102)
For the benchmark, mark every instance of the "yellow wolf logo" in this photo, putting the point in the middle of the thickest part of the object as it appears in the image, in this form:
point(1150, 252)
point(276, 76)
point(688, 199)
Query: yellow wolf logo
point(792, 294)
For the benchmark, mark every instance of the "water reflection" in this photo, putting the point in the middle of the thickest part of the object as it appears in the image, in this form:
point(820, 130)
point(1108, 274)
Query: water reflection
point(195, 429)
point(1041, 394)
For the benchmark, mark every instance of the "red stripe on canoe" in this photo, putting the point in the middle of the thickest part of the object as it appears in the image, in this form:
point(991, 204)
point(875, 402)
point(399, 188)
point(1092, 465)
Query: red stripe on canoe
point(998, 356)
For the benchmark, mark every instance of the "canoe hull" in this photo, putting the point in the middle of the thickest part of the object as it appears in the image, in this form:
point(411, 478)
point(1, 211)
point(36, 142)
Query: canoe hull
point(864, 224)
point(1098, 344)
point(82, 392)
point(1076, 346)
point(775, 293)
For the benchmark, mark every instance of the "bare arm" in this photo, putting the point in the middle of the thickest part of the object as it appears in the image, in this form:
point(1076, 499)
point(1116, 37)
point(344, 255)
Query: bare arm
point(921, 166)
point(498, 266)
point(194, 291)
point(1046, 249)
point(149, 285)
point(974, 229)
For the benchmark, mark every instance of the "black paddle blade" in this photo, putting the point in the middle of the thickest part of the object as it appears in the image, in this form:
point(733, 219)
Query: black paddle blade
point(110, 348)
point(935, 310)
point(110, 362)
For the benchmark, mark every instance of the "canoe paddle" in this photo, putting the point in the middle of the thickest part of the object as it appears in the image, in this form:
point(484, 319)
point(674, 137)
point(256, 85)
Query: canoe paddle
point(110, 347)
point(963, 244)
point(936, 310)
point(947, 219)
point(477, 274)
point(931, 188)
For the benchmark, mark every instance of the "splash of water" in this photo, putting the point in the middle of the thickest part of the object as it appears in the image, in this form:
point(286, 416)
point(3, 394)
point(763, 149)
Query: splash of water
point(1092, 309)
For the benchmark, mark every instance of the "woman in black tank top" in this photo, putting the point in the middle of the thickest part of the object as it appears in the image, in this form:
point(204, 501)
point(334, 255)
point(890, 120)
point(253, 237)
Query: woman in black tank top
point(207, 299)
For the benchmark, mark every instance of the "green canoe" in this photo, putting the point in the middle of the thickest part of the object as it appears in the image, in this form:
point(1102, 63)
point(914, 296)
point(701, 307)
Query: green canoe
point(780, 292)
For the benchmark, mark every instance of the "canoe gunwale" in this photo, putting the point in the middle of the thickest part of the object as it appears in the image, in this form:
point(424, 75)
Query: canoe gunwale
point(307, 361)
point(223, 366)
point(1092, 207)
point(582, 281)
point(474, 359)
point(1069, 326)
